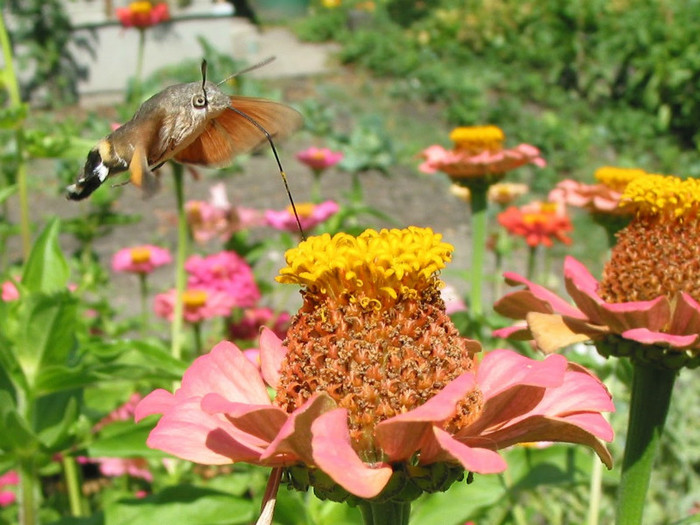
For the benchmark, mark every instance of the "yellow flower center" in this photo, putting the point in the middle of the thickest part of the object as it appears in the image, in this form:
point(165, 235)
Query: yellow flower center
point(477, 139)
point(140, 8)
point(194, 298)
point(662, 195)
point(374, 269)
point(305, 209)
point(140, 254)
point(617, 178)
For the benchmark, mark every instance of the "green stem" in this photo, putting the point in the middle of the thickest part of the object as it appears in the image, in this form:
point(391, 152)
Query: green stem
point(316, 187)
point(28, 492)
point(72, 475)
point(12, 87)
point(176, 327)
point(531, 262)
point(516, 510)
point(385, 513)
point(479, 207)
point(649, 403)
point(143, 290)
point(197, 332)
point(595, 489)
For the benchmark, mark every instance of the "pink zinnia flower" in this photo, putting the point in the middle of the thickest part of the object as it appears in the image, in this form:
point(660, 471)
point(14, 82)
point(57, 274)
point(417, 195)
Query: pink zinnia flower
point(9, 291)
point(248, 327)
point(375, 379)
point(227, 272)
point(649, 291)
point(538, 222)
point(310, 216)
point(8, 497)
point(140, 259)
point(319, 159)
point(115, 467)
point(143, 14)
point(198, 304)
point(478, 154)
point(217, 218)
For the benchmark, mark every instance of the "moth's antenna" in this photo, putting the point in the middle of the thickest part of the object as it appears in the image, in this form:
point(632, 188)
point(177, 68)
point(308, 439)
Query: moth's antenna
point(279, 165)
point(248, 69)
point(204, 79)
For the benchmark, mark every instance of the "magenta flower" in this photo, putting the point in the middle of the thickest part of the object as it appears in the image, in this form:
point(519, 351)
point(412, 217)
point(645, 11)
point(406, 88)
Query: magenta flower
point(9, 291)
point(319, 159)
point(310, 216)
point(227, 272)
point(248, 327)
point(375, 382)
point(198, 304)
point(217, 218)
point(9, 479)
point(140, 259)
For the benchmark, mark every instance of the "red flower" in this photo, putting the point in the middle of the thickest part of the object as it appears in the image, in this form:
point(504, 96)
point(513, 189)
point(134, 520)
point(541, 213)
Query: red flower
point(143, 14)
point(538, 222)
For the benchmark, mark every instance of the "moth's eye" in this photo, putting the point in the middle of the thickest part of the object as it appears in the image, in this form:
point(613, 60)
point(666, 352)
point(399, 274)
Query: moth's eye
point(199, 101)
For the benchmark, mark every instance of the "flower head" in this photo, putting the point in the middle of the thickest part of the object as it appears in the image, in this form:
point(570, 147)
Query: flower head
point(143, 14)
point(646, 304)
point(8, 479)
point(140, 259)
point(198, 304)
point(9, 291)
point(478, 156)
point(375, 387)
point(248, 327)
point(310, 216)
point(538, 222)
point(217, 218)
point(502, 193)
point(226, 272)
point(319, 159)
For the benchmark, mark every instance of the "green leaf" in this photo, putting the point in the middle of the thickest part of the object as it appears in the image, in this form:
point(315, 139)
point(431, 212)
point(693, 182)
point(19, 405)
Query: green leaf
point(13, 116)
point(55, 417)
point(182, 504)
point(17, 436)
point(124, 439)
point(46, 269)
point(7, 192)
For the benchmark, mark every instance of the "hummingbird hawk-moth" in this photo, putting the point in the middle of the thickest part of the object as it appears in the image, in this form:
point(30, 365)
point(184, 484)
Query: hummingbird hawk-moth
point(194, 123)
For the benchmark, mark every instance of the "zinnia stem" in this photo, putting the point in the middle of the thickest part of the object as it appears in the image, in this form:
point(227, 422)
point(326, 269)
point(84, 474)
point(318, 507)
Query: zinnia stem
point(176, 327)
point(479, 206)
point(28, 492)
point(595, 490)
point(386, 513)
point(143, 289)
point(650, 399)
point(75, 500)
point(531, 261)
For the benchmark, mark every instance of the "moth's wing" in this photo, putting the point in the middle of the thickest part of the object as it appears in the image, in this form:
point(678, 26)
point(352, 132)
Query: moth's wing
point(141, 174)
point(232, 134)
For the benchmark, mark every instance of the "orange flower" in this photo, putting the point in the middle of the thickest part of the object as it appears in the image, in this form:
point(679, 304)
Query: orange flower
point(143, 14)
point(538, 222)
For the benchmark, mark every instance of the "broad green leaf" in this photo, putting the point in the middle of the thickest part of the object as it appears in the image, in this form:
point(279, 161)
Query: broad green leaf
point(55, 415)
point(7, 192)
point(124, 439)
point(182, 504)
point(18, 436)
point(46, 269)
point(95, 519)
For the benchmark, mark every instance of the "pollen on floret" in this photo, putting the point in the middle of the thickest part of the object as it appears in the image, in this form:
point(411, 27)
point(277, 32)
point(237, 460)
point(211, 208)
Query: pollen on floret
point(617, 178)
point(662, 195)
point(140, 254)
point(477, 139)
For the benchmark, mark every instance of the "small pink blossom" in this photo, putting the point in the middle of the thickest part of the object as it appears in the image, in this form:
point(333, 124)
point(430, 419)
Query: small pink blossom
point(248, 327)
point(222, 413)
point(115, 467)
point(198, 304)
point(319, 159)
point(9, 291)
point(140, 259)
point(9, 479)
point(310, 216)
point(597, 198)
point(123, 412)
point(226, 272)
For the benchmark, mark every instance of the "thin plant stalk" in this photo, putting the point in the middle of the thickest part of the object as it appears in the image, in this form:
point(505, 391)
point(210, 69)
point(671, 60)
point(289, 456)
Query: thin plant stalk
point(595, 491)
point(650, 399)
point(197, 334)
point(479, 208)
point(72, 478)
point(176, 326)
point(28, 492)
point(143, 290)
point(316, 187)
point(531, 262)
point(12, 87)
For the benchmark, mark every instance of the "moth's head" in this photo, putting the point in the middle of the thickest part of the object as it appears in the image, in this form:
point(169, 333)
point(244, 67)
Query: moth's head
point(206, 97)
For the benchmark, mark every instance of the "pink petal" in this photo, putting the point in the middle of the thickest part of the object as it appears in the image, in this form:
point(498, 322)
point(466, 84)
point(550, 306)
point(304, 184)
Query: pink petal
point(557, 304)
point(402, 436)
point(263, 422)
point(479, 460)
point(686, 316)
point(272, 352)
point(500, 370)
point(653, 314)
point(333, 453)
point(649, 337)
point(157, 402)
point(294, 438)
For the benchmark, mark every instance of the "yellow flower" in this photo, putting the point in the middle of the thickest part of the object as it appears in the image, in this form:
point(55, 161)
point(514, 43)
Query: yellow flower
point(617, 178)
point(477, 139)
point(662, 195)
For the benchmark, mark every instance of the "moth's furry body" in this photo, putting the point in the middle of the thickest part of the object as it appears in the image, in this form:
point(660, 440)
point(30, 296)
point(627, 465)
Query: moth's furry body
point(194, 123)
